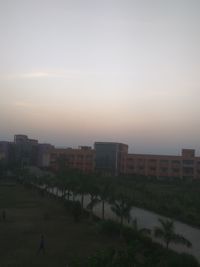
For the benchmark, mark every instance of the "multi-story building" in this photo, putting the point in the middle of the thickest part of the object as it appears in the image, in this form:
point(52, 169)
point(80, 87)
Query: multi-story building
point(185, 166)
point(43, 155)
point(25, 150)
point(110, 157)
point(81, 158)
point(4, 150)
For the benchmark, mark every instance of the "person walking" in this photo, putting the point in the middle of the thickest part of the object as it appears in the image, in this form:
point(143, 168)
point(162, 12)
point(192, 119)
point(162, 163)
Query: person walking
point(4, 215)
point(42, 245)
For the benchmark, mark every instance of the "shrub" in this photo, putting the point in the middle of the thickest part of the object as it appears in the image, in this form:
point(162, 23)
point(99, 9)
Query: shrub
point(76, 210)
point(109, 227)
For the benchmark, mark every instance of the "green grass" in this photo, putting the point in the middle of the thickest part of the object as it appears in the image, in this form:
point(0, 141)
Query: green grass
point(28, 215)
point(176, 199)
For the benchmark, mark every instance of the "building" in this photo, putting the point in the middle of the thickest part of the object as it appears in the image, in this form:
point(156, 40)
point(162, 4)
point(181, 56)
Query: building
point(25, 150)
point(185, 166)
point(81, 158)
point(28, 152)
point(20, 139)
point(43, 155)
point(110, 157)
point(4, 150)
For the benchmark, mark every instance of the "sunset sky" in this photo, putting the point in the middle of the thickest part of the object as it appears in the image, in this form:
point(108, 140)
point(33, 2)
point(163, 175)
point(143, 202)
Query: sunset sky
point(77, 71)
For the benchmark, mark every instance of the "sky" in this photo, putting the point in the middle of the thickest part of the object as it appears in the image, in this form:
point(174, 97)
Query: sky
point(73, 72)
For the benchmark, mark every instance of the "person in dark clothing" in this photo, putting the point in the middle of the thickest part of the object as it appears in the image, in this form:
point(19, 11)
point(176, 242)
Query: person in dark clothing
point(42, 245)
point(4, 215)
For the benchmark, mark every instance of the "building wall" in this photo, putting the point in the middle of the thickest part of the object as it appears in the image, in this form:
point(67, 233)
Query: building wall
point(185, 166)
point(44, 151)
point(25, 150)
point(110, 157)
point(81, 158)
point(113, 158)
point(4, 150)
point(2, 155)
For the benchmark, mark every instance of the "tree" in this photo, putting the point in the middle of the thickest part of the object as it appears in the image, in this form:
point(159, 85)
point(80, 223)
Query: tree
point(76, 210)
point(47, 181)
point(93, 191)
point(166, 232)
point(105, 191)
point(122, 207)
point(83, 187)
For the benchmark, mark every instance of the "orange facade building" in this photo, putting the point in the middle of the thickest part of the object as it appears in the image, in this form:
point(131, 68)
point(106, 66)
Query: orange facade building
point(81, 159)
point(114, 159)
point(185, 166)
point(109, 158)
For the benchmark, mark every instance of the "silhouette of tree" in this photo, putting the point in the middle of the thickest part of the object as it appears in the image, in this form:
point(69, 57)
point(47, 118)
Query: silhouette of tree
point(121, 206)
point(105, 191)
point(93, 191)
point(166, 232)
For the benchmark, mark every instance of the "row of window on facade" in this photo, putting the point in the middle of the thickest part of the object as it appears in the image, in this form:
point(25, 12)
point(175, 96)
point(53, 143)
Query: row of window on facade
point(72, 157)
point(163, 162)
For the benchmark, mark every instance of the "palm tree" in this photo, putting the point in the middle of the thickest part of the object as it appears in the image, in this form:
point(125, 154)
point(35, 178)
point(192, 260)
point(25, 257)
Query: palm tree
point(105, 190)
point(48, 182)
point(121, 206)
point(167, 233)
point(83, 187)
point(93, 191)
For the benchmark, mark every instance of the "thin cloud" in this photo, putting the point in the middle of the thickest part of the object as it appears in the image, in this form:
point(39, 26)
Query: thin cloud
point(23, 104)
point(67, 74)
point(34, 74)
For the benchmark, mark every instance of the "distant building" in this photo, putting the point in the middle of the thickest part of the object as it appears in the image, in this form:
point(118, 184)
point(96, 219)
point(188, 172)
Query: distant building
point(25, 150)
point(4, 150)
point(43, 157)
point(81, 158)
point(185, 166)
point(110, 157)
point(20, 139)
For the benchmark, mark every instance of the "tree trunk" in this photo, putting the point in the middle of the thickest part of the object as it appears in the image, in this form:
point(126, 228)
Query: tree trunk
point(68, 195)
point(82, 201)
point(121, 227)
point(63, 193)
point(103, 209)
point(91, 209)
point(121, 221)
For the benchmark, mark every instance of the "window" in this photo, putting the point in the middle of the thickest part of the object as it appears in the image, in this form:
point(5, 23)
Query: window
point(131, 167)
point(175, 162)
point(152, 168)
point(164, 169)
point(188, 170)
point(188, 162)
point(163, 161)
point(175, 170)
point(152, 160)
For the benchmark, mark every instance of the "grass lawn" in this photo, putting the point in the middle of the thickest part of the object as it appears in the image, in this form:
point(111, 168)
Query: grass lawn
point(175, 199)
point(28, 215)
